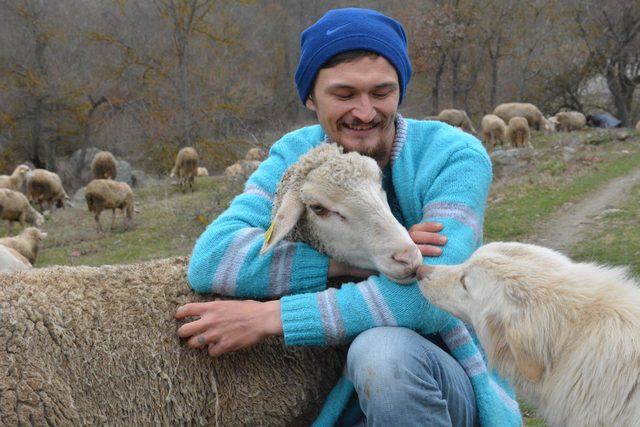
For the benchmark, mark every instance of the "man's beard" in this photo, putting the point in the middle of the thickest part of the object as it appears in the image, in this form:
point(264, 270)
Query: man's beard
point(379, 151)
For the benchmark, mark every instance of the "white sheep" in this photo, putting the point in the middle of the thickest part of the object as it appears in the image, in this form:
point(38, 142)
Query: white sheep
point(27, 243)
point(534, 116)
point(331, 201)
point(241, 169)
point(202, 171)
point(518, 132)
point(494, 131)
point(45, 188)
point(14, 206)
point(102, 194)
point(11, 260)
point(638, 126)
point(186, 167)
point(104, 166)
point(256, 153)
point(570, 120)
point(16, 179)
point(457, 118)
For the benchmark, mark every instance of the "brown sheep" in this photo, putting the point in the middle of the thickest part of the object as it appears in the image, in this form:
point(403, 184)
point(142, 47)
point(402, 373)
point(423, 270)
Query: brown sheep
point(255, 153)
point(186, 167)
point(534, 116)
point(457, 118)
point(27, 243)
point(494, 131)
point(16, 179)
point(11, 260)
point(518, 132)
point(570, 120)
point(14, 206)
point(638, 126)
point(241, 169)
point(104, 166)
point(95, 345)
point(44, 187)
point(102, 194)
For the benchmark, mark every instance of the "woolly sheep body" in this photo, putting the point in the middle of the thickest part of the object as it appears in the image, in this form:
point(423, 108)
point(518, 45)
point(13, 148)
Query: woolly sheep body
point(186, 167)
point(95, 345)
point(16, 179)
point(14, 206)
point(202, 171)
point(458, 118)
point(102, 194)
point(45, 187)
point(570, 120)
point(534, 116)
point(518, 132)
point(104, 166)
point(11, 260)
point(638, 126)
point(27, 243)
point(494, 131)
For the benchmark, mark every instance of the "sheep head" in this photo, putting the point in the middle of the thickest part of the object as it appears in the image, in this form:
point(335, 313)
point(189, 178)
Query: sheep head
point(335, 203)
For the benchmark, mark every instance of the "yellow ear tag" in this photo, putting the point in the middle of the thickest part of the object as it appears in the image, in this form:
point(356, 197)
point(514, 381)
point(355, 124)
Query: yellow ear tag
point(267, 234)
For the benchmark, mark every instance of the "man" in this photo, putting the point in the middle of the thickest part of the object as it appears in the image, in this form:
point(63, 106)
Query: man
point(353, 72)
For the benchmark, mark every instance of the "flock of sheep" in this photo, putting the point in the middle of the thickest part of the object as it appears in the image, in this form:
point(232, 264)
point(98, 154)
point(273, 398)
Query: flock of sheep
point(511, 123)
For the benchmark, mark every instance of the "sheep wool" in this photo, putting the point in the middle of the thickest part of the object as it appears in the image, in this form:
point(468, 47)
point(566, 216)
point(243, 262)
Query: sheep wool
point(98, 345)
point(439, 174)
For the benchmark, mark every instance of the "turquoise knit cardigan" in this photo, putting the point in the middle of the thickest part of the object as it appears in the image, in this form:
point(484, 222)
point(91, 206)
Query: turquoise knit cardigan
point(438, 173)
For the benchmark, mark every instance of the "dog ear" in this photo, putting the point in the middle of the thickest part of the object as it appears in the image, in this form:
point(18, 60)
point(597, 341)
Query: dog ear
point(522, 346)
point(284, 220)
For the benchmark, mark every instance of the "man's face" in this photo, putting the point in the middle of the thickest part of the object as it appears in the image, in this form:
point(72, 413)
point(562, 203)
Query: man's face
point(356, 103)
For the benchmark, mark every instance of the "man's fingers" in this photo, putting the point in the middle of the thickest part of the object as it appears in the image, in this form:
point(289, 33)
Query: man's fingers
point(192, 328)
point(191, 309)
point(432, 227)
point(428, 250)
point(427, 238)
point(201, 340)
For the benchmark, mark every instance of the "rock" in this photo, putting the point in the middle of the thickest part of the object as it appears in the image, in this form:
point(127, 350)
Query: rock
point(621, 136)
point(78, 197)
point(511, 162)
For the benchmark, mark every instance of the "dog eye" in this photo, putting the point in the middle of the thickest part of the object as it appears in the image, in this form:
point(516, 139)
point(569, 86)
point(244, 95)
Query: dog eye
point(463, 280)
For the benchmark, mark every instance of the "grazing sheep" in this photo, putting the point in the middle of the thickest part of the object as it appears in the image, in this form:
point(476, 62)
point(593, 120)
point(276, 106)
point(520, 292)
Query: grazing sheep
point(94, 345)
point(494, 131)
point(186, 167)
point(638, 126)
point(202, 171)
point(241, 169)
point(16, 179)
point(326, 189)
point(102, 194)
point(518, 132)
point(27, 243)
point(11, 260)
point(104, 166)
point(565, 334)
point(14, 206)
point(44, 187)
point(457, 118)
point(257, 154)
point(570, 120)
point(534, 116)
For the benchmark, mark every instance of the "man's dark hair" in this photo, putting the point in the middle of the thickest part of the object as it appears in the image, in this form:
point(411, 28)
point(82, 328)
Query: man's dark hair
point(348, 56)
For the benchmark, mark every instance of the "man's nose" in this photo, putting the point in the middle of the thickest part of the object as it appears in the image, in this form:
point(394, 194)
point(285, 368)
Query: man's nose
point(364, 110)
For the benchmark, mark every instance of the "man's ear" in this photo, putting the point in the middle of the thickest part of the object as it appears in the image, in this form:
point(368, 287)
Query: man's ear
point(310, 104)
point(526, 349)
point(284, 220)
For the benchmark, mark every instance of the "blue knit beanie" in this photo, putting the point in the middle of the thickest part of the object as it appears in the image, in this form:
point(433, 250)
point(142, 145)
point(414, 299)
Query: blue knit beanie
point(342, 30)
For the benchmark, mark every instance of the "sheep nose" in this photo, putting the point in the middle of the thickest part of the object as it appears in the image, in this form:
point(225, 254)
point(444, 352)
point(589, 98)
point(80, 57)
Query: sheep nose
point(409, 257)
point(424, 271)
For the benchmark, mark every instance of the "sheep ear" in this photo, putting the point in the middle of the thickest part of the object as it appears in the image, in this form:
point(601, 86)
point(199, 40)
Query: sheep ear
point(284, 220)
point(522, 345)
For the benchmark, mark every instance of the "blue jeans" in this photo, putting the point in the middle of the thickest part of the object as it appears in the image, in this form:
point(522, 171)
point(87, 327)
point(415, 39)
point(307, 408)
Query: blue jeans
point(403, 379)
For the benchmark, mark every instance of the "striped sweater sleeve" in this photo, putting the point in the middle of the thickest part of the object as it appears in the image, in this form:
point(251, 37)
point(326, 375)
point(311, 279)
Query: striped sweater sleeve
point(456, 197)
point(226, 260)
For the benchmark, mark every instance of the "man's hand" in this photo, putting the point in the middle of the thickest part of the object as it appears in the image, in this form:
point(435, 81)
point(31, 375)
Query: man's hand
point(426, 236)
point(226, 326)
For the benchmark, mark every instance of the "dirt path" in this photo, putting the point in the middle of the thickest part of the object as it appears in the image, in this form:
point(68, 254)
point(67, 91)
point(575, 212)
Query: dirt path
point(568, 225)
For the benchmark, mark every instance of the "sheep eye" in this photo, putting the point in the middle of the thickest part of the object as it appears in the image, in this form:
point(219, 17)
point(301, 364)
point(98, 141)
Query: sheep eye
point(463, 280)
point(319, 210)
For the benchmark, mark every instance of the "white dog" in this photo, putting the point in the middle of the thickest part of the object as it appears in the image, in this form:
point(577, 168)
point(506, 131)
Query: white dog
point(566, 334)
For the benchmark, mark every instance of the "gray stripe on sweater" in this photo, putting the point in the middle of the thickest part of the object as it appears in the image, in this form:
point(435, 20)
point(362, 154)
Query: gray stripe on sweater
point(474, 365)
point(457, 211)
point(281, 267)
point(378, 307)
point(258, 191)
point(331, 319)
point(226, 276)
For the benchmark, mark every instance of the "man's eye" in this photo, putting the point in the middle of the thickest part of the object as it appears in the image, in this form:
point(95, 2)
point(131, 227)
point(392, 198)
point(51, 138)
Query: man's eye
point(319, 210)
point(344, 96)
point(381, 94)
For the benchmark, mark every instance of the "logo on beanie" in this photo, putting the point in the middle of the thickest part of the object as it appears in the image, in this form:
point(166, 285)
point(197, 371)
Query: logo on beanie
point(333, 30)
